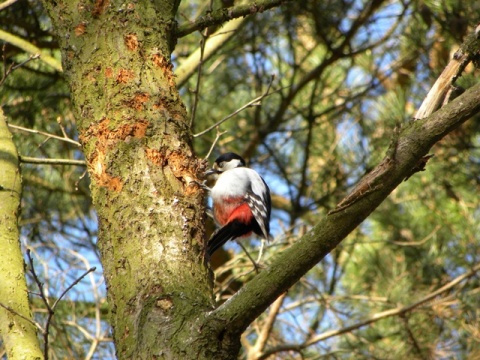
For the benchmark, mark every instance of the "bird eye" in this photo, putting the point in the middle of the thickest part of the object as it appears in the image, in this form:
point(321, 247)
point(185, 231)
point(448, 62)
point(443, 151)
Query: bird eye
point(222, 164)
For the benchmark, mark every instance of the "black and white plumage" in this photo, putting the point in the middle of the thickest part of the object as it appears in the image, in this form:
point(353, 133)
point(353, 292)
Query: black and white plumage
point(241, 201)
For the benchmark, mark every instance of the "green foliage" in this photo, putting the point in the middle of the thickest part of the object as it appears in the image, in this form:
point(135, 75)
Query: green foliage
point(346, 73)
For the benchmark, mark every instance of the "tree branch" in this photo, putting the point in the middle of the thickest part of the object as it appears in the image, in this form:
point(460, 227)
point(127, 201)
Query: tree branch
point(6, 4)
point(410, 145)
point(212, 44)
point(221, 16)
point(266, 330)
point(445, 82)
point(17, 327)
point(31, 49)
point(48, 135)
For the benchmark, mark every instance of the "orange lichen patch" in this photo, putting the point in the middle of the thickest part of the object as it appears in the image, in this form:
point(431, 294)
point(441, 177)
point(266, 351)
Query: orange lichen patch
point(167, 67)
point(80, 29)
point(109, 72)
point(159, 60)
point(185, 168)
point(100, 131)
point(105, 136)
point(138, 101)
point(155, 156)
point(181, 166)
point(159, 106)
point(137, 130)
point(99, 7)
point(105, 139)
point(113, 183)
point(101, 176)
point(124, 76)
point(131, 41)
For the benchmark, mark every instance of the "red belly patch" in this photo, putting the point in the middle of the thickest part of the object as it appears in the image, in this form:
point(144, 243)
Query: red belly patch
point(232, 209)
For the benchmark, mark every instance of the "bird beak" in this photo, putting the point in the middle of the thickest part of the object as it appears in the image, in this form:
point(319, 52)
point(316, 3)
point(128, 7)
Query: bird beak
point(210, 172)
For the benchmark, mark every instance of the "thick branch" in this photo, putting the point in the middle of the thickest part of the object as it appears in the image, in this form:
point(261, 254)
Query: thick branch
point(31, 49)
point(446, 81)
point(411, 145)
point(212, 45)
point(221, 16)
point(16, 322)
point(6, 4)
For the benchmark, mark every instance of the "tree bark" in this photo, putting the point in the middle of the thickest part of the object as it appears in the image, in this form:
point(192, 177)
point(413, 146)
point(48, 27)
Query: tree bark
point(133, 129)
point(16, 322)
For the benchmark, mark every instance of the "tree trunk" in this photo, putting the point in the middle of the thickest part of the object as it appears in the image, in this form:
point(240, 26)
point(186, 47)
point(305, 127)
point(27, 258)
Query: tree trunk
point(133, 129)
point(19, 334)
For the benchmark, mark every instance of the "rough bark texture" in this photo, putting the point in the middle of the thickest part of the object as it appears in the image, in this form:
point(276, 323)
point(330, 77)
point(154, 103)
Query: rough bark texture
point(19, 335)
point(116, 57)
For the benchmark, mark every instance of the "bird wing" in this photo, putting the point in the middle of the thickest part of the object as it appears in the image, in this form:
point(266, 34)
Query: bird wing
point(259, 204)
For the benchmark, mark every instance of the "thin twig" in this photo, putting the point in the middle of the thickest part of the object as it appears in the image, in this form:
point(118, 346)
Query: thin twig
point(37, 325)
point(33, 160)
point(33, 131)
point(197, 86)
point(79, 179)
point(255, 265)
point(214, 42)
point(97, 337)
point(37, 281)
point(254, 102)
point(62, 129)
point(399, 310)
point(217, 137)
point(30, 48)
point(199, 73)
point(7, 70)
point(51, 309)
point(92, 269)
point(266, 329)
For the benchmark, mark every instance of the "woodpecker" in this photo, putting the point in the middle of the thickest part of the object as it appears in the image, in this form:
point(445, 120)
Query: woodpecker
point(241, 201)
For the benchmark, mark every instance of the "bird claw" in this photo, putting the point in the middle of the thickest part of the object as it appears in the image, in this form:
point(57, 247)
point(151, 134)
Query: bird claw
point(202, 185)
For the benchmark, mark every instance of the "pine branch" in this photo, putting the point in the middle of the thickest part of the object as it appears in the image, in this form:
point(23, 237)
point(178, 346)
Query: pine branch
point(398, 311)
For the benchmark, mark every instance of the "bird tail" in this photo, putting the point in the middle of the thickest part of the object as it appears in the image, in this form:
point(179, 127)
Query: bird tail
point(231, 230)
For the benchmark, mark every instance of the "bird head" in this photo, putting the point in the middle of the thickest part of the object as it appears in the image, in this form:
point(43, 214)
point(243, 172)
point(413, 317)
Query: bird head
point(225, 162)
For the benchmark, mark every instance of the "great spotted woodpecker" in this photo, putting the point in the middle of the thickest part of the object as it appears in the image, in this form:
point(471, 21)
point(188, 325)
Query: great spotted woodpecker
point(241, 201)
